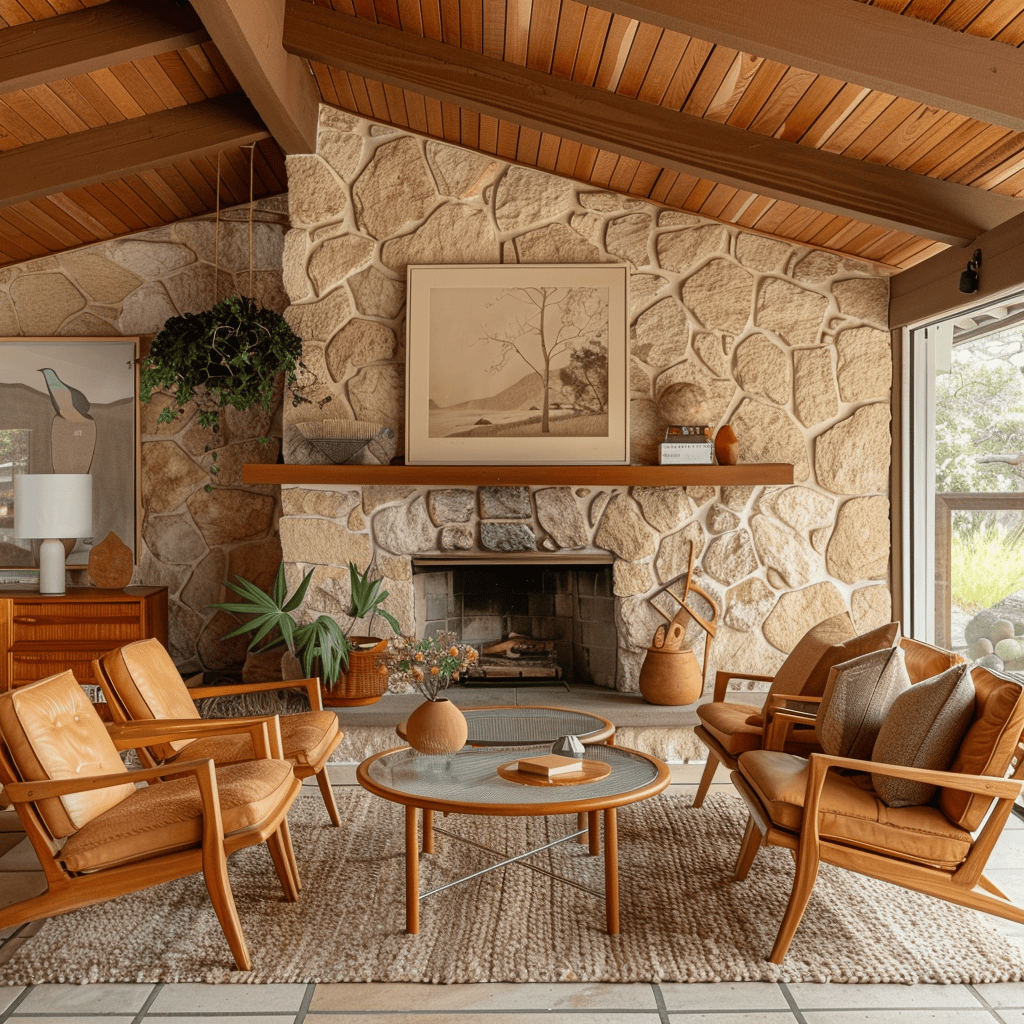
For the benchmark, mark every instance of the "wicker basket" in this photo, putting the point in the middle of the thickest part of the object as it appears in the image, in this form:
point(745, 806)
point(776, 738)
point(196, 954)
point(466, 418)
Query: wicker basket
point(363, 683)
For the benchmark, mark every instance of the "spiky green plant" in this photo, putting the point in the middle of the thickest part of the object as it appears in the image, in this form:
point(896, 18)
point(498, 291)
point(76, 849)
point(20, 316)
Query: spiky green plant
point(272, 623)
point(367, 597)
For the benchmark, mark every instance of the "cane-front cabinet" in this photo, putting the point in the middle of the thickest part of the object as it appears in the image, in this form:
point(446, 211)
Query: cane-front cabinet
point(41, 635)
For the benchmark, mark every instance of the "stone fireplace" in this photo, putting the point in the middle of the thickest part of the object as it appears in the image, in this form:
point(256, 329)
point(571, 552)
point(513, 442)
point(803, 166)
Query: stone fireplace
point(784, 342)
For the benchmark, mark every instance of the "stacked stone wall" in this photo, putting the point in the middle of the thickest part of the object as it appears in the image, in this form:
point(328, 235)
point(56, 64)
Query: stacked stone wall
point(785, 342)
point(192, 540)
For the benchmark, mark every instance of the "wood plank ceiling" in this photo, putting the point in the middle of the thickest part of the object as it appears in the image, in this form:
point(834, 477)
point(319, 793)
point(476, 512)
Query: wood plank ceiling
point(886, 130)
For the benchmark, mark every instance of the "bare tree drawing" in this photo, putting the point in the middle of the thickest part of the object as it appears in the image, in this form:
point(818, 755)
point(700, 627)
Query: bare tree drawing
point(553, 323)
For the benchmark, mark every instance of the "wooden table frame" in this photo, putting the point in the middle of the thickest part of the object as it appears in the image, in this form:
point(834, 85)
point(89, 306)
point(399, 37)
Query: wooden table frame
point(571, 804)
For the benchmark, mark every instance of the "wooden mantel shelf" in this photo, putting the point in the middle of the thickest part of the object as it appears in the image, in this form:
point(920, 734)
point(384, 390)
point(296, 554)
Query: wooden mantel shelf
point(479, 476)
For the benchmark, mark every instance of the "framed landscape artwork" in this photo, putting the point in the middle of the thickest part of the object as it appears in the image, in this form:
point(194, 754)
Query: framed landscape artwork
point(517, 365)
point(70, 405)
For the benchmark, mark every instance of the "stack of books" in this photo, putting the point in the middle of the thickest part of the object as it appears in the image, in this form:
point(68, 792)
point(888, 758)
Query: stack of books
point(687, 446)
point(550, 765)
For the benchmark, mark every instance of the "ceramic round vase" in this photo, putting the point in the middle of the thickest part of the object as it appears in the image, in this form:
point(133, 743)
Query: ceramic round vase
point(727, 446)
point(671, 677)
point(437, 727)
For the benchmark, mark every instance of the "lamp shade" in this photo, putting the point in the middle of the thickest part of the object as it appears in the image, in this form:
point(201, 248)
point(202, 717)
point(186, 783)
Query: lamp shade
point(52, 505)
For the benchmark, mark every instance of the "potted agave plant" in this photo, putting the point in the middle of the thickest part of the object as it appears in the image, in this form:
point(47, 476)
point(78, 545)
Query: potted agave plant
point(317, 648)
point(348, 663)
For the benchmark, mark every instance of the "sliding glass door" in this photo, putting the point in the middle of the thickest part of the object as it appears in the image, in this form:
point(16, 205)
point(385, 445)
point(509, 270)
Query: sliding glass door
point(963, 528)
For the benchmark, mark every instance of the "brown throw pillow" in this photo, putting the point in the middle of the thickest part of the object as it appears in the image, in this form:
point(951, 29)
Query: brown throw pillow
point(923, 729)
point(857, 698)
point(874, 640)
point(802, 663)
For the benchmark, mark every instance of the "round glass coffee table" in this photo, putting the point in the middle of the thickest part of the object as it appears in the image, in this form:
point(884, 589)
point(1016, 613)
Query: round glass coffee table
point(468, 783)
point(510, 726)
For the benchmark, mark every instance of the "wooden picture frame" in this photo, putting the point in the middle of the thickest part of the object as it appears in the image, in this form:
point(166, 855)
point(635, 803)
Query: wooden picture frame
point(82, 417)
point(476, 356)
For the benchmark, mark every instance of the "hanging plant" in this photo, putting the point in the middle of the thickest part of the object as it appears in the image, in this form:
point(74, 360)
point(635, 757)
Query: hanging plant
point(226, 356)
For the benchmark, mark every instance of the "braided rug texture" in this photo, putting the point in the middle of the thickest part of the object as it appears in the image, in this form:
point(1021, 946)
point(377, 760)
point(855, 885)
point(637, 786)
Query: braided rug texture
point(682, 917)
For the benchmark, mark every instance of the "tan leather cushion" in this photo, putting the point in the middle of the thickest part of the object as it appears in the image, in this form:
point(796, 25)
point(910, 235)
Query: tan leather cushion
point(853, 815)
point(306, 738)
point(856, 700)
point(923, 729)
point(736, 726)
point(168, 816)
point(149, 685)
point(988, 745)
point(925, 661)
point(800, 672)
point(53, 732)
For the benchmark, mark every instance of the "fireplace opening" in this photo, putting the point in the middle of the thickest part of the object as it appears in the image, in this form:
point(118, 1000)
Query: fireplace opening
point(568, 611)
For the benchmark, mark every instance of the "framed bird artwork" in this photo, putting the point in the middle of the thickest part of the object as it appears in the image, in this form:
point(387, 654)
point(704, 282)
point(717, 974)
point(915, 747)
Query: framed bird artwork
point(70, 406)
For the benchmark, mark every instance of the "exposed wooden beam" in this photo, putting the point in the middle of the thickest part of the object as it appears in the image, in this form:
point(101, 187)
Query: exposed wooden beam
point(853, 42)
point(931, 289)
point(127, 147)
point(248, 35)
point(98, 37)
point(942, 210)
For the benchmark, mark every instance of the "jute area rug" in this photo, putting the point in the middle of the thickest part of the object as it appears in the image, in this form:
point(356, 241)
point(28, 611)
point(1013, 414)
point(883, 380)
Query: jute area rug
point(682, 917)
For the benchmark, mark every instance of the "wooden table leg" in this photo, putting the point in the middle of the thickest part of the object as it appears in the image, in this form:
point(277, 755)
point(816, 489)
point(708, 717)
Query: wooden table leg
point(412, 874)
point(581, 822)
point(594, 832)
point(428, 831)
point(611, 871)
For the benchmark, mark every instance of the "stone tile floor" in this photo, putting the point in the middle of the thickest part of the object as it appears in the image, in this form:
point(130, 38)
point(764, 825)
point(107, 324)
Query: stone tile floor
point(732, 1003)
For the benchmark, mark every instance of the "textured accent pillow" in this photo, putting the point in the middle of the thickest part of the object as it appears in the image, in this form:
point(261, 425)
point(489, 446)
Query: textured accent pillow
point(857, 698)
point(877, 639)
point(923, 729)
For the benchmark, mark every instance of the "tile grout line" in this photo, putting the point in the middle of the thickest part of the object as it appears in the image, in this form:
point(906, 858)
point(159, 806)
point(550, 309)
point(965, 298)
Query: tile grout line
point(150, 999)
point(307, 998)
point(986, 1004)
point(791, 999)
point(659, 999)
point(16, 1003)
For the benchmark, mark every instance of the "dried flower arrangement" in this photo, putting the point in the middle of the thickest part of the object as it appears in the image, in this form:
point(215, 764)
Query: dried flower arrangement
point(430, 663)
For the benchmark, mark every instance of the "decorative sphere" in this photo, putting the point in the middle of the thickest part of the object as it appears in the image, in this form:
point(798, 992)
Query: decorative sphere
point(682, 403)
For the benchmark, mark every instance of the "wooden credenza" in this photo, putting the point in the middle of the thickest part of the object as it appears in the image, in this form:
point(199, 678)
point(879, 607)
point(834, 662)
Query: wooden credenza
point(41, 635)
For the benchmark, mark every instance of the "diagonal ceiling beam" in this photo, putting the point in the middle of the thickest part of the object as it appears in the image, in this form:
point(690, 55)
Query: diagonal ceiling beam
point(98, 37)
point(248, 35)
point(852, 42)
point(116, 150)
point(945, 211)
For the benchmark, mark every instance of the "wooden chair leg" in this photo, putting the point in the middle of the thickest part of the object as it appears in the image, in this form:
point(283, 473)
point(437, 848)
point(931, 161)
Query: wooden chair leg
point(328, 794)
point(215, 871)
point(807, 861)
point(282, 864)
point(289, 850)
point(748, 850)
point(706, 779)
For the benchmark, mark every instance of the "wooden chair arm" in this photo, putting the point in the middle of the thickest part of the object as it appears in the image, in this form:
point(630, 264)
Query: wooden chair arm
point(722, 681)
point(778, 719)
point(311, 686)
point(264, 730)
point(26, 792)
point(984, 785)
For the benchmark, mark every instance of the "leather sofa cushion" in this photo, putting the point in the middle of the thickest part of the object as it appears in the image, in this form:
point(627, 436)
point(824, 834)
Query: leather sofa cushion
point(925, 661)
point(853, 815)
point(305, 737)
point(150, 686)
point(800, 672)
point(988, 745)
point(737, 727)
point(167, 816)
point(53, 732)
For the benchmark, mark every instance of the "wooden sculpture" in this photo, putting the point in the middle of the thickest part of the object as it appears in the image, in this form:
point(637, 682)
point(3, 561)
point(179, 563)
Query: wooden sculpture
point(671, 673)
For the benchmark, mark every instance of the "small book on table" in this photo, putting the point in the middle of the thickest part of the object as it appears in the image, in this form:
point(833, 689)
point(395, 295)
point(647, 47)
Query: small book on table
point(550, 765)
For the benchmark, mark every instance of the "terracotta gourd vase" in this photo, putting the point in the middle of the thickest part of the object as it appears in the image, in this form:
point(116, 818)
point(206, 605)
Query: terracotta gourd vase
point(671, 677)
point(437, 727)
point(727, 446)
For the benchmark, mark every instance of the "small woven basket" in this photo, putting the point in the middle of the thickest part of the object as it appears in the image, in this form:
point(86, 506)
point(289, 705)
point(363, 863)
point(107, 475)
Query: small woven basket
point(340, 440)
point(363, 683)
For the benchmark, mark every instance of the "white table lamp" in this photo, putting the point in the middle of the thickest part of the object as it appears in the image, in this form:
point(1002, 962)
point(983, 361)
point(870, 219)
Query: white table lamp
point(49, 506)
